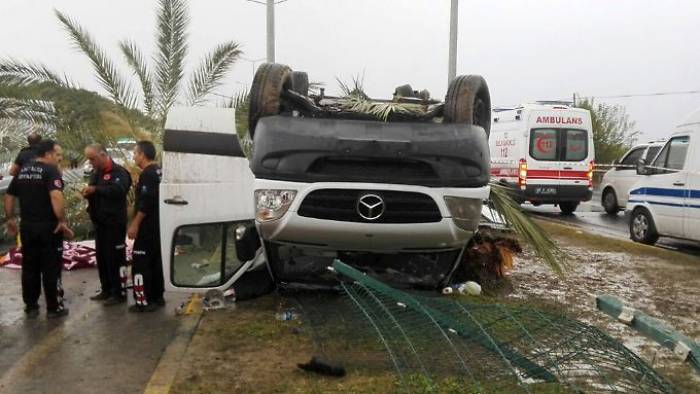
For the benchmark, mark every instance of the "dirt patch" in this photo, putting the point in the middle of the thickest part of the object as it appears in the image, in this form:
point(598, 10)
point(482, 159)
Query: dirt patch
point(663, 284)
point(246, 350)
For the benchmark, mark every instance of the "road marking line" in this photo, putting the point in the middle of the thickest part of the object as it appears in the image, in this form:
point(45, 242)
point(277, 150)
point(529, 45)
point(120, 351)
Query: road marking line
point(44, 347)
point(164, 374)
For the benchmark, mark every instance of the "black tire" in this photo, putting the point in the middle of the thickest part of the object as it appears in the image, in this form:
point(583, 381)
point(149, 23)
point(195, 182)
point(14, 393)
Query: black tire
point(609, 202)
point(642, 227)
point(468, 101)
point(404, 91)
point(568, 208)
point(269, 82)
point(300, 82)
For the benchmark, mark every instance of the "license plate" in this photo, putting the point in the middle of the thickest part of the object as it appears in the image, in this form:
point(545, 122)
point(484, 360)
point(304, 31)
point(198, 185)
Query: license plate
point(545, 191)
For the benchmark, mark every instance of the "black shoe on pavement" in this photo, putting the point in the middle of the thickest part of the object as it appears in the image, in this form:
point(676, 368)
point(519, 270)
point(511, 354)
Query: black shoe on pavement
point(101, 296)
point(31, 311)
point(114, 300)
point(57, 313)
point(140, 308)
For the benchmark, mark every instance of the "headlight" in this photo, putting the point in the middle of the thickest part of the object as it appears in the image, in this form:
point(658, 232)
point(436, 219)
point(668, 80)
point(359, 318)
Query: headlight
point(466, 212)
point(272, 204)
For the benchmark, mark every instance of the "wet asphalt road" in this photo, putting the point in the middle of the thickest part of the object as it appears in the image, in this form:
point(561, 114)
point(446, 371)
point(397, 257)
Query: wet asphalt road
point(590, 216)
point(96, 349)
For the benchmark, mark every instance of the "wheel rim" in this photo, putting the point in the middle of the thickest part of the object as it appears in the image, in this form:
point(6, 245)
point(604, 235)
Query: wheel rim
point(640, 226)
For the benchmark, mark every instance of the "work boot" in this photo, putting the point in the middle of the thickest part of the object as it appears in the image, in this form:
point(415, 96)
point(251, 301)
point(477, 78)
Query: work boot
point(32, 311)
point(57, 313)
point(100, 296)
point(114, 300)
point(136, 308)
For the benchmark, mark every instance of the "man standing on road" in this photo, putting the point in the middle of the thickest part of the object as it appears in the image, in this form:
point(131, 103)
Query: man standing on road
point(26, 154)
point(147, 266)
point(106, 194)
point(39, 188)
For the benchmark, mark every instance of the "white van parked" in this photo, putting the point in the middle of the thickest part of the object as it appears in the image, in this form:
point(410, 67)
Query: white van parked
point(622, 176)
point(545, 152)
point(666, 200)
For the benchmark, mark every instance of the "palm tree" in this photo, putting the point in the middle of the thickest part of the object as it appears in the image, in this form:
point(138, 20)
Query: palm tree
point(162, 79)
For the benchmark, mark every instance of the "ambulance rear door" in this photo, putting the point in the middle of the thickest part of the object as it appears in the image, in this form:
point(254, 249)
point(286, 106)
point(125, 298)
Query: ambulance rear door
point(206, 200)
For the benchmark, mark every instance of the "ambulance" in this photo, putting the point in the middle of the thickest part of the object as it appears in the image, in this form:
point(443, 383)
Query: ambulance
point(545, 152)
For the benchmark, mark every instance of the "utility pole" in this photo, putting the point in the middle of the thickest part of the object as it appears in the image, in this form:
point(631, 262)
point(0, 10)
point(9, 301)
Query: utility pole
point(454, 21)
point(270, 31)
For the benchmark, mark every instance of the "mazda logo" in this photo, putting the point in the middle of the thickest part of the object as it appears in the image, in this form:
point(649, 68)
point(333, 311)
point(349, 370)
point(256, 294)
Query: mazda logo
point(370, 207)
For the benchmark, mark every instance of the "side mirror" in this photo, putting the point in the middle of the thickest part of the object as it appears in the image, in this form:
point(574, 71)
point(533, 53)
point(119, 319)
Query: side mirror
point(642, 168)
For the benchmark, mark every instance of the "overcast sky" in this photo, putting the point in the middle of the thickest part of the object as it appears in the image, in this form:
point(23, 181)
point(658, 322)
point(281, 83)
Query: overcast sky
point(526, 50)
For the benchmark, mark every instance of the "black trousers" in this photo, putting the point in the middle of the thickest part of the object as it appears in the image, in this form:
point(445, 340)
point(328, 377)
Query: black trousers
point(110, 248)
point(42, 257)
point(147, 269)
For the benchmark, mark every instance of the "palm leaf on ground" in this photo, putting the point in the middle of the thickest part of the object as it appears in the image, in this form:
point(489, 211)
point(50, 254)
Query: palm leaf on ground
point(503, 203)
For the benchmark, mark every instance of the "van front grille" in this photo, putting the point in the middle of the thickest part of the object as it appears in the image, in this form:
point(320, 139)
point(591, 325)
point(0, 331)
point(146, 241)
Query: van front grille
point(342, 205)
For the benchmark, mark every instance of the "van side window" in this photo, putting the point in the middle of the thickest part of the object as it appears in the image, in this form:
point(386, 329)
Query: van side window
point(632, 158)
point(651, 153)
point(673, 155)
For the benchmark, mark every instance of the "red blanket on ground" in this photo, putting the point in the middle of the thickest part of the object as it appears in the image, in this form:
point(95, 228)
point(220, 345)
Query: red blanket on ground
point(75, 255)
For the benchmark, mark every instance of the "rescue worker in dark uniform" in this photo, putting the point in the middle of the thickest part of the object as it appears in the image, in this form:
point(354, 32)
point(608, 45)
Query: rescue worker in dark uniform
point(147, 266)
point(106, 193)
point(26, 154)
point(39, 188)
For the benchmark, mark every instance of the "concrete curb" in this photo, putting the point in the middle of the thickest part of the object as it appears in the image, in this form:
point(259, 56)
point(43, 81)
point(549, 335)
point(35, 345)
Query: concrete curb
point(684, 347)
point(164, 375)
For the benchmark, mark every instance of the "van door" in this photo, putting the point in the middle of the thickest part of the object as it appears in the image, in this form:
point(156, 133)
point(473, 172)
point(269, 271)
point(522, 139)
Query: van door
point(665, 191)
point(206, 200)
point(692, 205)
point(576, 155)
point(543, 165)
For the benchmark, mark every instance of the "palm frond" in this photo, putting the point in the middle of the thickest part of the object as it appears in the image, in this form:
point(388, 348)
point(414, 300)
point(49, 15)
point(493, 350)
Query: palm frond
point(212, 70)
point(105, 70)
point(356, 89)
point(504, 204)
point(16, 73)
point(138, 63)
point(240, 102)
point(380, 110)
point(172, 50)
point(35, 112)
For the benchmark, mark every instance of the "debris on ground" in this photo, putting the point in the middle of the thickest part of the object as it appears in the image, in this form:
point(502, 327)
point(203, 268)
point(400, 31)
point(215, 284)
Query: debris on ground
point(488, 347)
point(323, 367)
point(192, 306)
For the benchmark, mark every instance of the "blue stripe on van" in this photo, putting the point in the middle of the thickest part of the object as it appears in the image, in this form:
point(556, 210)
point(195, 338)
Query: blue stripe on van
point(663, 192)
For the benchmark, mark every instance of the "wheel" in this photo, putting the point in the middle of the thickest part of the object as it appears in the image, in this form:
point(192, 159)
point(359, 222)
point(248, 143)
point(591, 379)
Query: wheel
point(609, 202)
point(642, 227)
point(567, 208)
point(300, 82)
point(404, 91)
point(269, 82)
point(468, 101)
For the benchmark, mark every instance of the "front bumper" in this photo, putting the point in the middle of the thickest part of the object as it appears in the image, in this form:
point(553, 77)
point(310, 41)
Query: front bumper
point(336, 235)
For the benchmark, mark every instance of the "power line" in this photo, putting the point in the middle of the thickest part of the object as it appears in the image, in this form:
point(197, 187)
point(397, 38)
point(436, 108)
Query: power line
point(676, 93)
